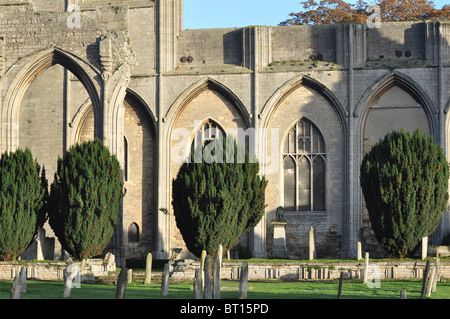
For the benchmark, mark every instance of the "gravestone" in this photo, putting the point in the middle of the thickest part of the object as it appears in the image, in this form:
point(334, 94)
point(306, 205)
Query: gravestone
point(220, 254)
point(359, 256)
point(216, 292)
point(202, 266)
point(165, 281)
point(198, 284)
point(425, 279)
point(208, 280)
point(403, 294)
point(23, 278)
point(424, 247)
point(341, 278)
point(312, 248)
point(16, 289)
point(121, 283)
point(130, 276)
point(148, 269)
point(366, 268)
point(437, 275)
point(431, 280)
point(243, 282)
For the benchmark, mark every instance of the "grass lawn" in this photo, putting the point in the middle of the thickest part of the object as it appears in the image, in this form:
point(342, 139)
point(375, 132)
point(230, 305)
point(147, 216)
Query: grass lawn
point(352, 289)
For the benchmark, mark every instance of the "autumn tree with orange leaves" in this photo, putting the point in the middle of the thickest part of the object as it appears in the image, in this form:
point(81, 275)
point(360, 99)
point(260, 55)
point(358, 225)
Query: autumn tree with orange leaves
point(339, 11)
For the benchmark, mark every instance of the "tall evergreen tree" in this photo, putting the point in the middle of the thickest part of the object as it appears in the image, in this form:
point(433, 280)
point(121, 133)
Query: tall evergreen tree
point(404, 179)
point(214, 203)
point(23, 206)
point(85, 199)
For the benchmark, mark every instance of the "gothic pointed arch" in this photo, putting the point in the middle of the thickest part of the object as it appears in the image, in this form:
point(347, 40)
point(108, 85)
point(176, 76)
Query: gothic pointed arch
point(138, 156)
point(404, 82)
point(394, 101)
point(302, 80)
point(310, 156)
point(31, 67)
point(197, 88)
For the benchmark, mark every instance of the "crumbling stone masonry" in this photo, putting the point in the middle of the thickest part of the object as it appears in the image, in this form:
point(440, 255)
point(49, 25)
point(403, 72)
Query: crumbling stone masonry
point(128, 73)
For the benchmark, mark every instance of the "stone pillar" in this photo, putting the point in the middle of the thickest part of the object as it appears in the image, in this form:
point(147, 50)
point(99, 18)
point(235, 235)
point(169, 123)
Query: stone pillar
point(169, 23)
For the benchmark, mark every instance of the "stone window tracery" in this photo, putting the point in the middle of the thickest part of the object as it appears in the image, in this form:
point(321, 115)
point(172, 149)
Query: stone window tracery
point(304, 165)
point(208, 131)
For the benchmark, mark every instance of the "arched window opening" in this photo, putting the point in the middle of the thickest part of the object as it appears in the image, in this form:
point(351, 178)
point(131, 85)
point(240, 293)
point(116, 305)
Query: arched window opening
point(208, 131)
point(304, 164)
point(133, 233)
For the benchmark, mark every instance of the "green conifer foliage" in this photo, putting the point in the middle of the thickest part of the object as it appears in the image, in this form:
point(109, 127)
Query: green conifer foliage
point(23, 202)
point(215, 203)
point(85, 199)
point(404, 179)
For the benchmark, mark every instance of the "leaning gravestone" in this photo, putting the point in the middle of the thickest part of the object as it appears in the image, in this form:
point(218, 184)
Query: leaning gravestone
point(437, 275)
point(208, 280)
point(165, 281)
point(121, 283)
point(243, 281)
point(425, 280)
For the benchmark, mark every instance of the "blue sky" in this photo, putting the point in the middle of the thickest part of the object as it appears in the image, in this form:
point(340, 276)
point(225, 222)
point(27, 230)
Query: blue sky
point(201, 14)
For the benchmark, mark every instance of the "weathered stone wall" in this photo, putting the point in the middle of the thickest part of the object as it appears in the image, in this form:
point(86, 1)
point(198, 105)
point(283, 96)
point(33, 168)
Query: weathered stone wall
point(306, 103)
point(312, 270)
point(138, 204)
point(299, 43)
point(227, 48)
point(260, 77)
point(206, 105)
point(53, 270)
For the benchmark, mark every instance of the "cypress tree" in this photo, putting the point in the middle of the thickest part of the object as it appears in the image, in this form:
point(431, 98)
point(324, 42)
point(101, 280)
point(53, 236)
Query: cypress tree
point(404, 179)
point(85, 199)
point(215, 203)
point(23, 202)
